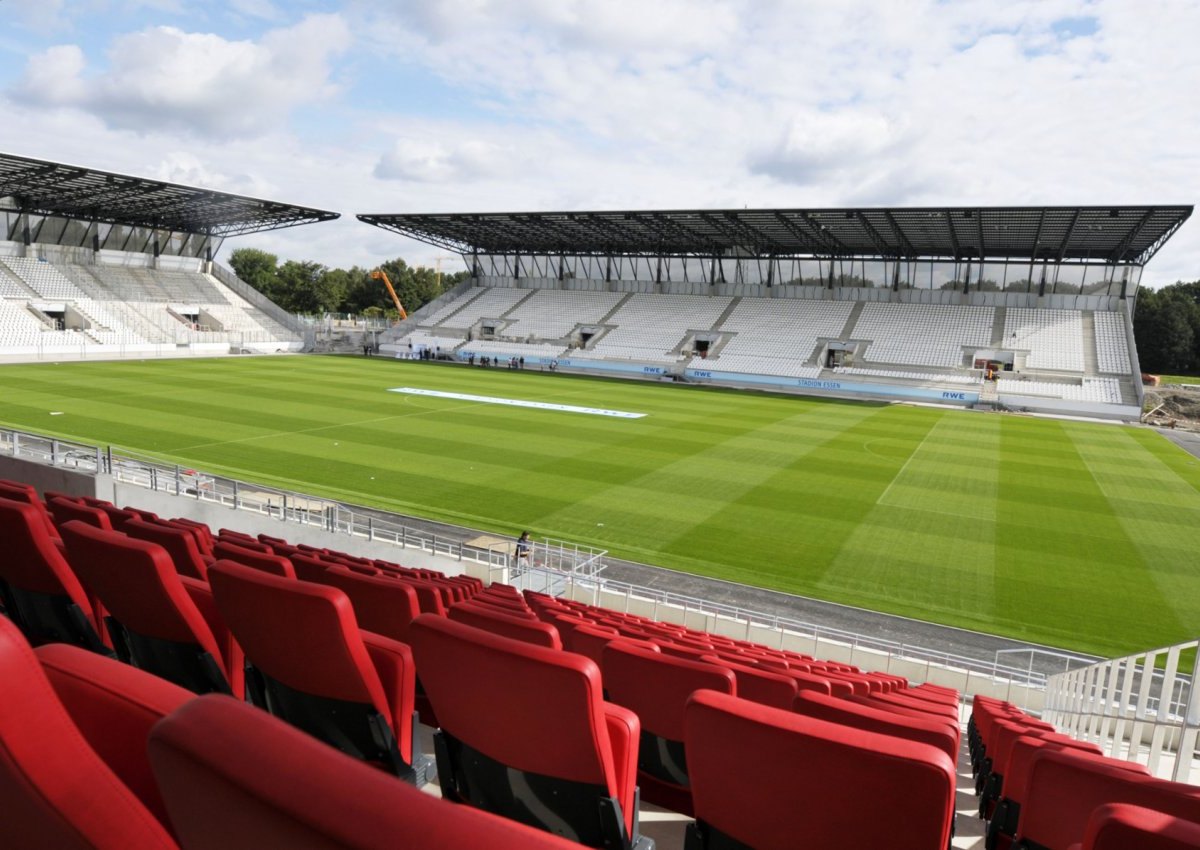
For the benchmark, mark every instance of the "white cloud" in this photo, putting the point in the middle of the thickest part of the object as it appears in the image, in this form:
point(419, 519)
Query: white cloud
point(577, 104)
point(165, 78)
point(428, 160)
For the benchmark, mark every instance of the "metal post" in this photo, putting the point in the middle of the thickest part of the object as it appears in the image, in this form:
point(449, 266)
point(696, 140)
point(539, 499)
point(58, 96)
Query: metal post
point(109, 468)
point(283, 509)
point(54, 452)
point(177, 479)
point(236, 494)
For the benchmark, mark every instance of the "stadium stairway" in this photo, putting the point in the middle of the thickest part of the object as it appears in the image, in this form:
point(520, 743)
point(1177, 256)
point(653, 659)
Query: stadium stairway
point(1090, 360)
point(852, 320)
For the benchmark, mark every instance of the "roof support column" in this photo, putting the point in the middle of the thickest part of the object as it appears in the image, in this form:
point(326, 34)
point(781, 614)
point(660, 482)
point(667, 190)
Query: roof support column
point(516, 266)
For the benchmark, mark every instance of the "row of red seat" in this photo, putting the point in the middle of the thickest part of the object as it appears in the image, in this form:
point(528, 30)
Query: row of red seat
point(97, 755)
point(679, 682)
point(360, 617)
point(282, 624)
point(1042, 789)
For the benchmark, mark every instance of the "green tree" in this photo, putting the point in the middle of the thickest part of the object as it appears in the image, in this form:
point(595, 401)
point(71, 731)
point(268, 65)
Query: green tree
point(257, 268)
point(307, 287)
point(1165, 326)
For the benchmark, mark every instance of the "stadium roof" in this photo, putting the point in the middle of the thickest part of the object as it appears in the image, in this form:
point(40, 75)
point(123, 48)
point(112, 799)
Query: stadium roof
point(70, 191)
point(1125, 234)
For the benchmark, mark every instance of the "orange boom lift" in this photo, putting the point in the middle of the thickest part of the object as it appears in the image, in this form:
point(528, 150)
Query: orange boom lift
point(380, 274)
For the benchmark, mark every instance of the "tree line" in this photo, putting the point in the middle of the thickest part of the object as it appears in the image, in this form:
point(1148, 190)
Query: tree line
point(1166, 324)
point(301, 286)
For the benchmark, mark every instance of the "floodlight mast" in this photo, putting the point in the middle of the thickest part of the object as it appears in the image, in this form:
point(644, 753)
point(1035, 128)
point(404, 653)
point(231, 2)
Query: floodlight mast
point(380, 274)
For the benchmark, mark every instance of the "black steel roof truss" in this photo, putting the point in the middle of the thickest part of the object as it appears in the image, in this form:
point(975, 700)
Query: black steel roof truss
point(899, 231)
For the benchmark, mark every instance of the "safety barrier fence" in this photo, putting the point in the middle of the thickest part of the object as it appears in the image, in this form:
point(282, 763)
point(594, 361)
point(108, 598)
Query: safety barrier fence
point(871, 652)
point(1142, 707)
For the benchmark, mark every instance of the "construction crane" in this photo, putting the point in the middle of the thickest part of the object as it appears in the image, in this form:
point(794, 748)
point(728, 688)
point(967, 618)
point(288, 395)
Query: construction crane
point(380, 274)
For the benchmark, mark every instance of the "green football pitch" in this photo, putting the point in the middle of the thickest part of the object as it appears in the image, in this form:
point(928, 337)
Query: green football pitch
point(1078, 535)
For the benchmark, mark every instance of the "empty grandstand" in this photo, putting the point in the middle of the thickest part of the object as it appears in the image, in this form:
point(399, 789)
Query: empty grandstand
point(94, 264)
point(1024, 308)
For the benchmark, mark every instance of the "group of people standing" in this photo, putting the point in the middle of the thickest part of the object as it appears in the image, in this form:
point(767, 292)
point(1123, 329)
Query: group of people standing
point(513, 362)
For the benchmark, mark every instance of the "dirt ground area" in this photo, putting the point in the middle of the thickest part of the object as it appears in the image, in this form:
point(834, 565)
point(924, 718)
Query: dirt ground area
point(1173, 406)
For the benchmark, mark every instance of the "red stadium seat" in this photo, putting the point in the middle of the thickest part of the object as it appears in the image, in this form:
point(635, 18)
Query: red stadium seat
point(591, 640)
point(1065, 788)
point(761, 686)
point(154, 614)
point(27, 493)
point(774, 780)
point(1007, 812)
point(1122, 827)
point(381, 605)
point(273, 564)
point(656, 688)
point(223, 765)
point(179, 543)
point(497, 622)
point(114, 706)
point(525, 733)
point(40, 591)
point(835, 710)
point(314, 667)
point(55, 791)
point(989, 783)
point(65, 510)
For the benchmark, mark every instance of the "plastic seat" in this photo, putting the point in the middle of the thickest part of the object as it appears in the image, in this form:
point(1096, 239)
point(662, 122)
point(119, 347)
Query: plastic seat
point(114, 707)
point(41, 592)
point(219, 764)
point(65, 510)
point(55, 790)
point(834, 710)
point(313, 667)
point(156, 617)
point(525, 733)
point(273, 564)
point(656, 688)
point(27, 493)
point(764, 687)
point(180, 545)
point(381, 605)
point(1118, 826)
point(775, 780)
point(1007, 812)
point(497, 622)
point(1066, 787)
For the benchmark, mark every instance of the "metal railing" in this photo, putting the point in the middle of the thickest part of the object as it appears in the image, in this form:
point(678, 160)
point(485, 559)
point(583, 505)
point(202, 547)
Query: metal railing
point(289, 506)
point(1140, 707)
point(577, 586)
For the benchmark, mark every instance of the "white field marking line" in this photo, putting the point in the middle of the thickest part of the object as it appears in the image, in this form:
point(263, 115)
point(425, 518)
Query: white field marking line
point(516, 402)
point(904, 468)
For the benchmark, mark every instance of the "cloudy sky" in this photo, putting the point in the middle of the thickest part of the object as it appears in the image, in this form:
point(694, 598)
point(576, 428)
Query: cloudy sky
point(486, 105)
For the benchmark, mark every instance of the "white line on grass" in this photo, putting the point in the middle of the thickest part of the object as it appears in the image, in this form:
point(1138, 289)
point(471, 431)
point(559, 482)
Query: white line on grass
point(904, 468)
point(517, 402)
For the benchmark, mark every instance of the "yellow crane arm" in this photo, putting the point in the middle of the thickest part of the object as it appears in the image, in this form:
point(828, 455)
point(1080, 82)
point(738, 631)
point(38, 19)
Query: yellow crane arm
point(380, 274)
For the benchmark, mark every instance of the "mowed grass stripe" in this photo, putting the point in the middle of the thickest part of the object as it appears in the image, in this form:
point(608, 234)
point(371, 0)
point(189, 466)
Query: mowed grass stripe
point(928, 542)
point(676, 509)
point(781, 534)
point(1067, 572)
point(879, 505)
point(1160, 516)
